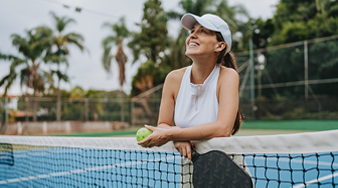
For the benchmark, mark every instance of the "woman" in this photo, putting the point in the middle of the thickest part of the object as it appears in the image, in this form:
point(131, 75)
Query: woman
point(202, 99)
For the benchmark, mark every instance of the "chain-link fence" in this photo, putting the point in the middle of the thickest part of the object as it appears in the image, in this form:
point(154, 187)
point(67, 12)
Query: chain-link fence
point(81, 109)
point(291, 81)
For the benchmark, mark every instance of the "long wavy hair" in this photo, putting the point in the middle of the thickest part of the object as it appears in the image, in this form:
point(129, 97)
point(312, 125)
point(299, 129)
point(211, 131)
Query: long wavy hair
point(229, 61)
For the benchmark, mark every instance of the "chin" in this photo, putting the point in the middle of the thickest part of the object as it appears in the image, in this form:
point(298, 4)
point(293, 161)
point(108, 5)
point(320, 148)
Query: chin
point(190, 53)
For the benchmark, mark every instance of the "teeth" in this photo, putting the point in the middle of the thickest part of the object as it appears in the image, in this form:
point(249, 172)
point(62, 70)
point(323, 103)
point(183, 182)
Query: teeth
point(192, 44)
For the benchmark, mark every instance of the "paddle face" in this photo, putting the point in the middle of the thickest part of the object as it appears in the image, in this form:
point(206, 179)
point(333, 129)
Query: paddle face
point(216, 169)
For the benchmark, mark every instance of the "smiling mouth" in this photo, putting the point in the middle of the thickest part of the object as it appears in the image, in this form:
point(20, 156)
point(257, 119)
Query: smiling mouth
point(192, 44)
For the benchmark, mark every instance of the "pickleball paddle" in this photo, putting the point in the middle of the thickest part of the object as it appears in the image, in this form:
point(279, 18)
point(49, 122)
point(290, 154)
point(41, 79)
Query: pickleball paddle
point(216, 169)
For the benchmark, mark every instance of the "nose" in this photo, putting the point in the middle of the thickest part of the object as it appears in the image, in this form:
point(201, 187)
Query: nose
point(193, 35)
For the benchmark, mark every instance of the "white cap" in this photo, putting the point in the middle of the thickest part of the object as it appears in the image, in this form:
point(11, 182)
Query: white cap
point(211, 22)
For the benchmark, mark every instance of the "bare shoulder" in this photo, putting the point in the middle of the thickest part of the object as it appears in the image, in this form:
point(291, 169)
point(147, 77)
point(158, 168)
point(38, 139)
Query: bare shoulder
point(173, 81)
point(228, 74)
point(228, 82)
point(176, 75)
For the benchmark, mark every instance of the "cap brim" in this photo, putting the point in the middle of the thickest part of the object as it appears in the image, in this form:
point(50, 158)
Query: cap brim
point(188, 21)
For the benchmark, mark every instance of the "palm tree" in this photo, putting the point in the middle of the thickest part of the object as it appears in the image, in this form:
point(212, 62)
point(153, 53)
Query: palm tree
point(60, 40)
point(120, 32)
point(26, 66)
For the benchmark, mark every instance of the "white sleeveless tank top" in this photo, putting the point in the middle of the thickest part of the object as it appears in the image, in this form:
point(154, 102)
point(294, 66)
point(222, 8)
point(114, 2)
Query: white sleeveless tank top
point(197, 104)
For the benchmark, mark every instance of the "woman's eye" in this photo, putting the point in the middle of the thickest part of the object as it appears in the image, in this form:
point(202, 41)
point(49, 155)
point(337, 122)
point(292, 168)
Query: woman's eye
point(204, 31)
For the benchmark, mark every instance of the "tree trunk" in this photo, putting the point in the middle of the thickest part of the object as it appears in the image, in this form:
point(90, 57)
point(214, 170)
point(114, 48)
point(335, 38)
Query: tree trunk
point(35, 106)
point(26, 112)
point(58, 103)
point(3, 117)
point(122, 104)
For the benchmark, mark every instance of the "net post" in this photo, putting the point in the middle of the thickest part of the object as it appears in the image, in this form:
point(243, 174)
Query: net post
point(252, 81)
point(86, 106)
point(132, 118)
point(306, 66)
point(187, 169)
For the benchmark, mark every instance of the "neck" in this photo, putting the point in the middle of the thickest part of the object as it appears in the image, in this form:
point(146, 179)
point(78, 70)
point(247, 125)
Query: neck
point(201, 69)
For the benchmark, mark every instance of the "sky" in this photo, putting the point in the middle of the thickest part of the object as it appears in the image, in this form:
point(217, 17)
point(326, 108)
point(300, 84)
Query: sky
point(85, 68)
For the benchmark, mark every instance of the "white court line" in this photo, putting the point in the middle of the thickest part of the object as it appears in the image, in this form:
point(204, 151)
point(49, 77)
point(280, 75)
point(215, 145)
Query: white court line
point(298, 161)
point(317, 180)
point(23, 153)
point(80, 170)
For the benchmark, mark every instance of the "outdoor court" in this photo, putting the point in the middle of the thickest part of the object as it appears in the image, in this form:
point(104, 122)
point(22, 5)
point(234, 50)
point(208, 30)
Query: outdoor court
point(97, 167)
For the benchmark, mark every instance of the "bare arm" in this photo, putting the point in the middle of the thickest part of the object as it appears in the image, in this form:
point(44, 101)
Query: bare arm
point(169, 94)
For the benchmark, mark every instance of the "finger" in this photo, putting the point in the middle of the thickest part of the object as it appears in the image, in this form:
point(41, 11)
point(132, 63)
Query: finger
point(184, 152)
point(150, 127)
point(149, 146)
point(192, 144)
point(144, 142)
point(179, 150)
point(189, 152)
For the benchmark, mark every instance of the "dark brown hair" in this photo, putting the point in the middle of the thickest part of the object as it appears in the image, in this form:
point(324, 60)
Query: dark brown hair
point(229, 61)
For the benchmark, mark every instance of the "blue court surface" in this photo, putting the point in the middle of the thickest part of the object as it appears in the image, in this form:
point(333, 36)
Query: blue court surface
point(80, 167)
point(280, 170)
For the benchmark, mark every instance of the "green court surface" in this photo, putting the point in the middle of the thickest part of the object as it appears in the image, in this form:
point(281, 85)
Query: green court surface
point(248, 128)
point(127, 132)
point(306, 125)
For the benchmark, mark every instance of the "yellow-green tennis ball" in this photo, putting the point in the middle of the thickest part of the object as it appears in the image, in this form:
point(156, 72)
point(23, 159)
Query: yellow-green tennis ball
point(142, 134)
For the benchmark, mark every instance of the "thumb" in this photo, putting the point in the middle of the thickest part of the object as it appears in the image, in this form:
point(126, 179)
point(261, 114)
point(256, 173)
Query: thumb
point(149, 127)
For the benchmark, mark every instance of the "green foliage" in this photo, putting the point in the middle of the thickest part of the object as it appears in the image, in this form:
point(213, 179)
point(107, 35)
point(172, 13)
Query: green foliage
point(90, 104)
point(77, 92)
point(147, 77)
point(27, 64)
point(302, 20)
point(152, 40)
point(262, 32)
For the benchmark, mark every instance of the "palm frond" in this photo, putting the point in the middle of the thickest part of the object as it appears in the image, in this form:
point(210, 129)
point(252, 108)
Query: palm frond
point(61, 22)
point(110, 41)
point(24, 76)
point(3, 80)
point(48, 79)
point(106, 59)
point(11, 77)
point(60, 75)
point(55, 58)
point(21, 44)
point(74, 36)
point(67, 20)
point(76, 40)
point(17, 62)
point(8, 57)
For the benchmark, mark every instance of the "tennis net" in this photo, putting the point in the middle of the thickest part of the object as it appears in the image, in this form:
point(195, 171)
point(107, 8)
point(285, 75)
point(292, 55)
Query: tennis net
point(290, 160)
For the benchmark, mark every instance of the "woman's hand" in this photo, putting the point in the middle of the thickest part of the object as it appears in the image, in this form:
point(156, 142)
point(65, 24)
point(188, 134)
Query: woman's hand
point(184, 147)
point(159, 136)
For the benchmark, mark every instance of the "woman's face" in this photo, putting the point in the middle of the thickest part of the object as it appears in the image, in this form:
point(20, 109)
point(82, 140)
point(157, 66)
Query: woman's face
point(201, 42)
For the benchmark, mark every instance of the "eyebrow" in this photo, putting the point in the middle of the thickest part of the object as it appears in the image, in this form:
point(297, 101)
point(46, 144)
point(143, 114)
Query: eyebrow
point(193, 27)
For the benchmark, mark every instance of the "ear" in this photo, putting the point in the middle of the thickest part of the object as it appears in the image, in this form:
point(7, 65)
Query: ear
point(220, 46)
